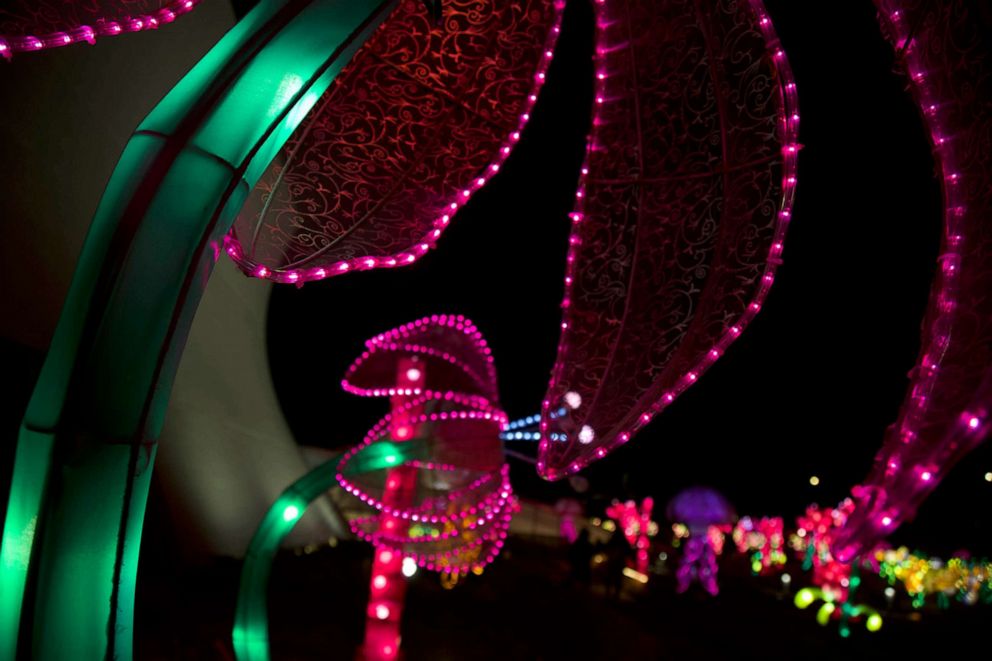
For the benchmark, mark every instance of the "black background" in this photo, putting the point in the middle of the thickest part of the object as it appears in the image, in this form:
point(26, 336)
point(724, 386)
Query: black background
point(808, 388)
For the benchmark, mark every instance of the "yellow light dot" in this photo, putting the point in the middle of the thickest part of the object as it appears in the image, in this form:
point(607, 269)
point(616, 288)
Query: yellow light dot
point(804, 598)
point(988, 476)
point(814, 480)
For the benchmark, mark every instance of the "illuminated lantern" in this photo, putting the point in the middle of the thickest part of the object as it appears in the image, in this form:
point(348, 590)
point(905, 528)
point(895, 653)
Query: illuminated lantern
point(701, 509)
point(635, 525)
point(945, 414)
point(445, 502)
point(680, 214)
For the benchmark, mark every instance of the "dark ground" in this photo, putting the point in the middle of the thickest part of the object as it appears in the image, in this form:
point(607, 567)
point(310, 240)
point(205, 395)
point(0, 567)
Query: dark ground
point(523, 607)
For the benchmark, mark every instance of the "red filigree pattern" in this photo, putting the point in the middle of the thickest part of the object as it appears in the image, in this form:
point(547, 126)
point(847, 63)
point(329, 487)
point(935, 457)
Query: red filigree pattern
point(405, 135)
point(32, 25)
point(945, 51)
point(680, 218)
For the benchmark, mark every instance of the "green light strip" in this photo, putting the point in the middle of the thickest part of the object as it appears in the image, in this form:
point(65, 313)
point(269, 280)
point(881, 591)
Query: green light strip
point(86, 448)
point(251, 618)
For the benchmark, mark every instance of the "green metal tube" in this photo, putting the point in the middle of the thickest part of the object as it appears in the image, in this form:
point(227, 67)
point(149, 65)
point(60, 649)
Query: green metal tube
point(251, 616)
point(85, 453)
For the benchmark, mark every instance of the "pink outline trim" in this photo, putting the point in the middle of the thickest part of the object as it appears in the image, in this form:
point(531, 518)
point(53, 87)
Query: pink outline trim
point(428, 241)
point(883, 516)
point(491, 502)
point(390, 341)
point(105, 27)
point(789, 124)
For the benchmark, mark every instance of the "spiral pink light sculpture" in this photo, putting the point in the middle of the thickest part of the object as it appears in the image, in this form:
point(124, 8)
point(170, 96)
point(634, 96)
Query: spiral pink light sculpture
point(458, 502)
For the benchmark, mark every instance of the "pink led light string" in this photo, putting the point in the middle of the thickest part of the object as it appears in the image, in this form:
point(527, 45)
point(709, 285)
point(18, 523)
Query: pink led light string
point(388, 206)
point(34, 26)
point(464, 353)
point(946, 410)
point(459, 504)
point(610, 391)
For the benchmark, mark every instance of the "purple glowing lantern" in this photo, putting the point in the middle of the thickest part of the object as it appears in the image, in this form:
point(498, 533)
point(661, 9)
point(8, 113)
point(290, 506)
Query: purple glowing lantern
point(699, 508)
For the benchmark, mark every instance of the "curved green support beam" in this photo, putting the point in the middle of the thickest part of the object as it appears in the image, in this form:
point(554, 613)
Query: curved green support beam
point(87, 443)
point(251, 618)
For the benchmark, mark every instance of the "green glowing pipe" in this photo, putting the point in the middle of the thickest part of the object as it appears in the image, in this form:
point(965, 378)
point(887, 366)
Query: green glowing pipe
point(251, 620)
point(87, 443)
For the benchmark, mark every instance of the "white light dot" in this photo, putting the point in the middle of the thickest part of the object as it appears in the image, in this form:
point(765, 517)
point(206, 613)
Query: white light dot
point(573, 399)
point(409, 567)
point(586, 435)
point(382, 611)
point(413, 374)
point(291, 513)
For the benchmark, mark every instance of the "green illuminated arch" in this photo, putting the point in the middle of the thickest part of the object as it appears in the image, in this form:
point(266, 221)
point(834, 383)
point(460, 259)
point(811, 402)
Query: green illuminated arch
point(87, 443)
point(251, 619)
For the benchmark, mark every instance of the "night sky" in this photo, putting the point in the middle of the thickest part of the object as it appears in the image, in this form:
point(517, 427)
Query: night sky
point(808, 388)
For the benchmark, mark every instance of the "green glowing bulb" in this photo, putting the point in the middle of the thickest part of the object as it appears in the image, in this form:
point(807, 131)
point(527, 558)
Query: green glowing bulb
point(291, 513)
point(390, 459)
point(874, 622)
point(756, 566)
point(804, 598)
